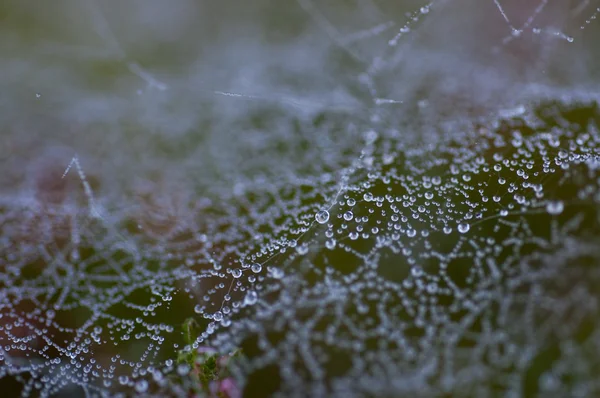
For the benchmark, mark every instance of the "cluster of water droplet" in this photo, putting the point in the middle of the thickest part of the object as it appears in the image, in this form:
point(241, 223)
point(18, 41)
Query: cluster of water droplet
point(446, 251)
point(345, 255)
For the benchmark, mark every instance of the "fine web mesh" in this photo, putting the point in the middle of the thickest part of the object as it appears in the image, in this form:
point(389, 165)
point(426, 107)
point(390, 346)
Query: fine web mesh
point(367, 198)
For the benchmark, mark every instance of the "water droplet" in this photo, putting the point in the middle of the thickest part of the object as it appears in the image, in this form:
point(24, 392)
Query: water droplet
point(302, 249)
point(447, 230)
point(416, 271)
point(432, 288)
point(251, 298)
point(348, 216)
point(370, 137)
point(141, 386)
point(555, 207)
point(463, 228)
point(277, 273)
point(157, 376)
point(256, 268)
point(183, 369)
point(322, 217)
point(236, 273)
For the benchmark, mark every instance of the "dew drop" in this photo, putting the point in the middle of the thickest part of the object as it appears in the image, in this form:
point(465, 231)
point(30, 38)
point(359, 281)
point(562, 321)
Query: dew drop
point(463, 228)
point(277, 273)
point(141, 386)
point(322, 217)
point(302, 249)
point(236, 273)
point(348, 216)
point(256, 268)
point(432, 288)
point(555, 207)
point(183, 369)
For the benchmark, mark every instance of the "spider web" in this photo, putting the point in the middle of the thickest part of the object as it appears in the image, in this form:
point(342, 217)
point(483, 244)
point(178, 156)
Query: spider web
point(381, 205)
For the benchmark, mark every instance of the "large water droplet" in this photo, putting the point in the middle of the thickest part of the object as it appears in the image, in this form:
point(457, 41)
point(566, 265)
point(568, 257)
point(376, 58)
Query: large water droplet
point(322, 217)
point(256, 268)
point(463, 228)
point(555, 207)
point(141, 386)
point(236, 273)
